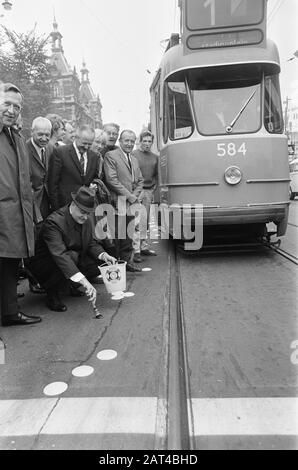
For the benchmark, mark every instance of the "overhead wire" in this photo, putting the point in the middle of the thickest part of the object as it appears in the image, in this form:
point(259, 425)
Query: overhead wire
point(275, 10)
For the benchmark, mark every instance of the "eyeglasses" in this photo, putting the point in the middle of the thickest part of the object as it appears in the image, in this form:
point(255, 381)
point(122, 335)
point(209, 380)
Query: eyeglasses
point(16, 107)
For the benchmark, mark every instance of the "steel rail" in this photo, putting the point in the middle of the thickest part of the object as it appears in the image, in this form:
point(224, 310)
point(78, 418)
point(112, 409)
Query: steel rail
point(179, 412)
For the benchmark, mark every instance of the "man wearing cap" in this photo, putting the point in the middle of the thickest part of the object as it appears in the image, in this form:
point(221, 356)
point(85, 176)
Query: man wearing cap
point(16, 208)
point(66, 253)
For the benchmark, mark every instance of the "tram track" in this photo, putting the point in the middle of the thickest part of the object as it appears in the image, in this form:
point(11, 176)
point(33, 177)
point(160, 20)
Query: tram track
point(179, 415)
point(182, 407)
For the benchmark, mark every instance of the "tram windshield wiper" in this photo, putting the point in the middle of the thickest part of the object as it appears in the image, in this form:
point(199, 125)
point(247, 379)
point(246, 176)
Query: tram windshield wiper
point(230, 127)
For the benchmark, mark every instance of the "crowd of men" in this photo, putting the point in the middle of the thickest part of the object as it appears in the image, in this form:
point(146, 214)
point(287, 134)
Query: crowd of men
point(50, 188)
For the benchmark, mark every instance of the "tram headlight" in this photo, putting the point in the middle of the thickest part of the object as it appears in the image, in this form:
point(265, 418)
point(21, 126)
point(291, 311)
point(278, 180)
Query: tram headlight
point(233, 175)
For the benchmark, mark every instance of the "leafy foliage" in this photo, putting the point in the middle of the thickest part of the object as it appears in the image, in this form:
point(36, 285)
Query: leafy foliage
point(24, 62)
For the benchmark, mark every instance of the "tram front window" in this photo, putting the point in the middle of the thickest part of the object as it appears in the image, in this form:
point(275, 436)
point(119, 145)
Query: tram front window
point(178, 123)
point(226, 104)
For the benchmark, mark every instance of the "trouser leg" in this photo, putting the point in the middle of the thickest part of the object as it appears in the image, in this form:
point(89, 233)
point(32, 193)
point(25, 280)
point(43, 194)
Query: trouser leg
point(8, 286)
point(123, 242)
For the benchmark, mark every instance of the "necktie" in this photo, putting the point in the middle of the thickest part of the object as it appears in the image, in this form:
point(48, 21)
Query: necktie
point(43, 156)
point(129, 160)
point(82, 163)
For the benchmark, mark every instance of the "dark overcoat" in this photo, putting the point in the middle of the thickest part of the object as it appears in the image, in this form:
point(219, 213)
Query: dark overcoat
point(39, 181)
point(59, 246)
point(16, 208)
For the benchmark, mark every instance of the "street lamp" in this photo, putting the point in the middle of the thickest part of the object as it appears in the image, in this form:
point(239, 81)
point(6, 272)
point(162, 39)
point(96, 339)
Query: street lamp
point(7, 5)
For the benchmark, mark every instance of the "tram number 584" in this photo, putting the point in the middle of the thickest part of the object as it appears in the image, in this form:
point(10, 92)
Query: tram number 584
point(230, 149)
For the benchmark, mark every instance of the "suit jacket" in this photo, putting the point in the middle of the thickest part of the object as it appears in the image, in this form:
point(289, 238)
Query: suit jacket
point(16, 208)
point(120, 180)
point(58, 239)
point(39, 182)
point(64, 175)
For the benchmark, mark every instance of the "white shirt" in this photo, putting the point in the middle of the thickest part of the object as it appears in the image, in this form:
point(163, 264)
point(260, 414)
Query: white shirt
point(79, 156)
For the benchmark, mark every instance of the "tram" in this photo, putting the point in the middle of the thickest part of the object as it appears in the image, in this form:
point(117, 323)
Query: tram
point(217, 116)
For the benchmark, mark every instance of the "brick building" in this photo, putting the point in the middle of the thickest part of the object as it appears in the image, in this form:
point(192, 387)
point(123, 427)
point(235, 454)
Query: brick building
point(72, 96)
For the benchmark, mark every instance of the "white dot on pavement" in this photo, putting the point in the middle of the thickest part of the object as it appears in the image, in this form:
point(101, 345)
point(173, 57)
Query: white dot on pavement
point(117, 295)
point(55, 388)
point(146, 269)
point(129, 294)
point(82, 371)
point(107, 355)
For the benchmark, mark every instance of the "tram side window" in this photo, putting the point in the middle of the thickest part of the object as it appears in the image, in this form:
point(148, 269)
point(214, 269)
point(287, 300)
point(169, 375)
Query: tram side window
point(273, 119)
point(177, 113)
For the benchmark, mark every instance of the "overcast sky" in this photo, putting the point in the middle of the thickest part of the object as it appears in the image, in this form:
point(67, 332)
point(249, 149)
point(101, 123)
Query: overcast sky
point(123, 40)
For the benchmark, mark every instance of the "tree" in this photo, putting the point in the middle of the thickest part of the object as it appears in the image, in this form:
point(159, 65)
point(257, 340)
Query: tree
point(25, 63)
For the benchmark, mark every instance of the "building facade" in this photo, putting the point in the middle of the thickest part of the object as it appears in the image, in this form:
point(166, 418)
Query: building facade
point(72, 96)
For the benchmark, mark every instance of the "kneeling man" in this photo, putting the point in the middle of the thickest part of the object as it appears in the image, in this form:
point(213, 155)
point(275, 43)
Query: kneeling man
point(66, 252)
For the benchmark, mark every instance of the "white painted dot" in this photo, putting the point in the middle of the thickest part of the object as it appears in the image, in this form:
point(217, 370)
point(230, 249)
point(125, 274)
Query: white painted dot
point(117, 295)
point(107, 355)
point(55, 388)
point(129, 294)
point(146, 269)
point(82, 371)
point(155, 243)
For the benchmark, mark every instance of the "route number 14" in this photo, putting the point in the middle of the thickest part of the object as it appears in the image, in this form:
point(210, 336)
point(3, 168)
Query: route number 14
point(230, 149)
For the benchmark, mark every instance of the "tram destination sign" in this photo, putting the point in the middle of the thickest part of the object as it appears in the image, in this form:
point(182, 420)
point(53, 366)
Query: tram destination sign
point(225, 39)
point(222, 23)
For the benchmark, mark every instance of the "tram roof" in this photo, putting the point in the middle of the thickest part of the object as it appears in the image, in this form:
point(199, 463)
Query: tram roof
point(174, 60)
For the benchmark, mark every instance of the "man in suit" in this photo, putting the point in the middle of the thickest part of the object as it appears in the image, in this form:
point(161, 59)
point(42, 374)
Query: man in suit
point(72, 166)
point(16, 208)
point(66, 252)
point(40, 136)
point(38, 155)
point(124, 179)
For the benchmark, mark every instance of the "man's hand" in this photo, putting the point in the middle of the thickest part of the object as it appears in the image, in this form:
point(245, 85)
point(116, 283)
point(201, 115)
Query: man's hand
point(90, 290)
point(108, 259)
point(93, 186)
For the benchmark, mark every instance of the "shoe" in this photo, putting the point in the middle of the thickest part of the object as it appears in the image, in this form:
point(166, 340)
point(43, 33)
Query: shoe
point(20, 319)
point(133, 268)
point(36, 288)
point(148, 252)
point(20, 295)
point(53, 302)
point(137, 258)
point(96, 280)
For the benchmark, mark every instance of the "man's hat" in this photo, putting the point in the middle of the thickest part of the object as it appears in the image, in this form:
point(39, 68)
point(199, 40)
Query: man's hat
point(84, 198)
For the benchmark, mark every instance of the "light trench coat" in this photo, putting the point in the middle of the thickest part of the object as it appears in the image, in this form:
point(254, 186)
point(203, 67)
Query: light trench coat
point(16, 200)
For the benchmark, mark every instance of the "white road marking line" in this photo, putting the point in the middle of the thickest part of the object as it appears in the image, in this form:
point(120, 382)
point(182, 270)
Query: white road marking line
point(24, 417)
point(133, 415)
point(245, 416)
point(94, 415)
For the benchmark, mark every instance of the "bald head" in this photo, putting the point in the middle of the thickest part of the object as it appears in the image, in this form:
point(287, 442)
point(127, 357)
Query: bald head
point(41, 131)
